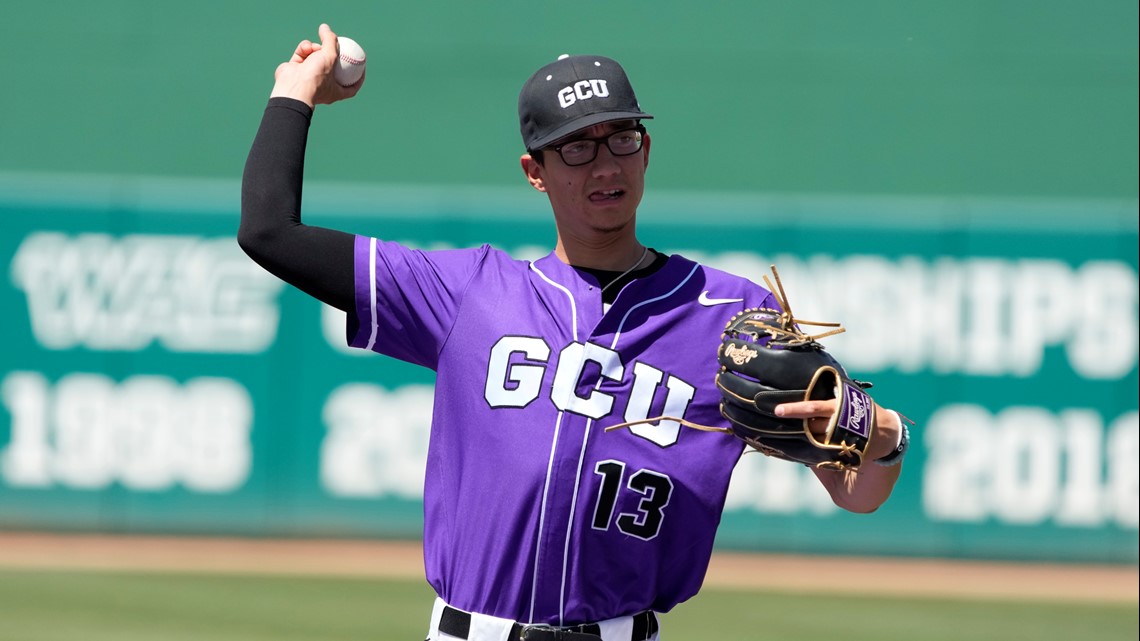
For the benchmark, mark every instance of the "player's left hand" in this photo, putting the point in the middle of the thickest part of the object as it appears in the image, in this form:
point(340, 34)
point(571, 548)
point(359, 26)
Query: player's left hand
point(308, 75)
point(818, 414)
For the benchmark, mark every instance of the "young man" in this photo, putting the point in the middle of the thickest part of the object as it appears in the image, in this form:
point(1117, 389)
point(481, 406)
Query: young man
point(539, 524)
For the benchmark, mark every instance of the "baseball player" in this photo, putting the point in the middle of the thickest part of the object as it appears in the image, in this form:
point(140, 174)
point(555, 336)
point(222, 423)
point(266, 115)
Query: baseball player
point(538, 524)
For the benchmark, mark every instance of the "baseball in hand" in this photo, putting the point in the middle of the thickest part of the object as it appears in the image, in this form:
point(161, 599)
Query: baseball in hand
point(350, 64)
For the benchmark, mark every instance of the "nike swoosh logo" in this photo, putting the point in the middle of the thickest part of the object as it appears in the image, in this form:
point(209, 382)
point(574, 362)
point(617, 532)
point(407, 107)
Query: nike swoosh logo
point(709, 302)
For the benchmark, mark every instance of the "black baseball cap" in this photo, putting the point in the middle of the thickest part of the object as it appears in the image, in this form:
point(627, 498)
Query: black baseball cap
point(572, 93)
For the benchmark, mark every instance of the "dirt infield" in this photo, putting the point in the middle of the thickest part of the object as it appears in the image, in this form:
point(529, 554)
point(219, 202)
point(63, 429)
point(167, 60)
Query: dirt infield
point(907, 577)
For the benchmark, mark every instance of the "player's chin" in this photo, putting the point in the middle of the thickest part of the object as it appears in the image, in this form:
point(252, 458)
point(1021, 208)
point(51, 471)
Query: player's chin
point(611, 225)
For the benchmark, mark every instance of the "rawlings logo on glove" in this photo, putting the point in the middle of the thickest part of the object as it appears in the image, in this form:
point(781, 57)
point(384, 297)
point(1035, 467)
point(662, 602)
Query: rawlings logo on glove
point(740, 355)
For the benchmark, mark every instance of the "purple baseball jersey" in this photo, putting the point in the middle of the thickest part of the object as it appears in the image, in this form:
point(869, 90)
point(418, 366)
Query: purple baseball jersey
point(531, 511)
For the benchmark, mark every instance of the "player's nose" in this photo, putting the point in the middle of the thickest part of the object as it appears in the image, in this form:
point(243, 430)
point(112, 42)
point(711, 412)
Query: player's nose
point(605, 163)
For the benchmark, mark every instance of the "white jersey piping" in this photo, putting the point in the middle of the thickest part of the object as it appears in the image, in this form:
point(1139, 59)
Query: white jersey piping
point(375, 329)
point(550, 461)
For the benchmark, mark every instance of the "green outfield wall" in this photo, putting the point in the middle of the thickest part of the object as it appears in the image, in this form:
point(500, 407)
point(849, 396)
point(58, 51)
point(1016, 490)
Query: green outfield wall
point(954, 181)
point(156, 380)
point(974, 97)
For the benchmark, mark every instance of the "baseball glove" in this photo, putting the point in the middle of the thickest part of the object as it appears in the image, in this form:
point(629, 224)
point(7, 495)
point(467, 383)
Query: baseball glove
point(765, 360)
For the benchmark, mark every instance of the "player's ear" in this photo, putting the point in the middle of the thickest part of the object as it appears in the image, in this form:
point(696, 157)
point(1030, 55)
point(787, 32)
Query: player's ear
point(645, 144)
point(533, 170)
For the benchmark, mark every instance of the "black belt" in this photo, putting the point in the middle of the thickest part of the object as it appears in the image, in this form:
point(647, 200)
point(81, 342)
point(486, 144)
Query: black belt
point(457, 623)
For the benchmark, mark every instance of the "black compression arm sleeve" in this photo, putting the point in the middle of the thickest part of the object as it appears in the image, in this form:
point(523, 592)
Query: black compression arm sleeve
point(316, 260)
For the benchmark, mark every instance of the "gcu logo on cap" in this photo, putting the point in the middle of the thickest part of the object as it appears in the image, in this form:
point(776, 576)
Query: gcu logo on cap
point(582, 90)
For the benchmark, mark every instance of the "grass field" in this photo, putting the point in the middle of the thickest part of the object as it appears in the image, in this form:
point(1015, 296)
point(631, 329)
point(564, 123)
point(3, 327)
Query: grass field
point(62, 605)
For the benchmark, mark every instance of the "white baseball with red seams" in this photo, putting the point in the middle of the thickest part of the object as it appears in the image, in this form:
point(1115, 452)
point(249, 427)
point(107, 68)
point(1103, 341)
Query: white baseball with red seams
point(350, 63)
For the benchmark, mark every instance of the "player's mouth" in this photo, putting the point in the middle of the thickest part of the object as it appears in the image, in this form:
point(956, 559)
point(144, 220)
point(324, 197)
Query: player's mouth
point(607, 195)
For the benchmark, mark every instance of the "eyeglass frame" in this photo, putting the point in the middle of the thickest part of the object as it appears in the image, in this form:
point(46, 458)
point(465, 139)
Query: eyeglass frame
point(598, 142)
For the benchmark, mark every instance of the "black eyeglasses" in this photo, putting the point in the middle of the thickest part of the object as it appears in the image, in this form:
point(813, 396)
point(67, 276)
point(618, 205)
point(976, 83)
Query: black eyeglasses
point(584, 150)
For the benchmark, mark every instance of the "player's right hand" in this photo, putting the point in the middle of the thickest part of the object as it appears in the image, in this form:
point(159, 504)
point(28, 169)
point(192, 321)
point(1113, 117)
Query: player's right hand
point(308, 75)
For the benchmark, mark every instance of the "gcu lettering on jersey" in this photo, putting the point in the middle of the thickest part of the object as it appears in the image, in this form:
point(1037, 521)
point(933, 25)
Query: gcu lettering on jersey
point(516, 368)
point(582, 90)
